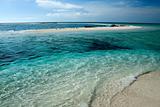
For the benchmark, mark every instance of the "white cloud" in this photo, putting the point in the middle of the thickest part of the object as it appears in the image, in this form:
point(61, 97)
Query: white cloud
point(98, 11)
point(58, 9)
point(56, 4)
point(66, 14)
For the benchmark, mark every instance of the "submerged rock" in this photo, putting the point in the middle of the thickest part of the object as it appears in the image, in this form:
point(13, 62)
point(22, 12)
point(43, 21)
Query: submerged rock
point(115, 25)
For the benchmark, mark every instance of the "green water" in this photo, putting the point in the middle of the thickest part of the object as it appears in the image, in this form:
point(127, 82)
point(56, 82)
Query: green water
point(71, 69)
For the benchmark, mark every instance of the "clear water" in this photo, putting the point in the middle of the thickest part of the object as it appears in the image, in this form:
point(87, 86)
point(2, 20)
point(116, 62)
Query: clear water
point(45, 25)
point(72, 69)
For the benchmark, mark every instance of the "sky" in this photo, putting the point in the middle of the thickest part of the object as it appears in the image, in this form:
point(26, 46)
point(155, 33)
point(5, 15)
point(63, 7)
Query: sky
point(144, 11)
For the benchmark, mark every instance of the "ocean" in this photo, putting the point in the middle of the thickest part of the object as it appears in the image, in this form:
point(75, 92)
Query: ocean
point(72, 69)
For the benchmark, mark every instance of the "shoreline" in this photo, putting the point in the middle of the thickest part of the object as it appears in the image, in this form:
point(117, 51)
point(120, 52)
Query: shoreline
point(142, 92)
point(82, 29)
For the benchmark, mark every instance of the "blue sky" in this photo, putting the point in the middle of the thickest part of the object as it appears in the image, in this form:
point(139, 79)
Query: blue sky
point(80, 10)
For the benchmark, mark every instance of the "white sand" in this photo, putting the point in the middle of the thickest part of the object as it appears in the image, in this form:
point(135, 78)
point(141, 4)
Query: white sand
point(83, 29)
point(144, 92)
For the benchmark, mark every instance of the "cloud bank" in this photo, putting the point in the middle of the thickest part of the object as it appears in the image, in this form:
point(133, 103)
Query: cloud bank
point(56, 4)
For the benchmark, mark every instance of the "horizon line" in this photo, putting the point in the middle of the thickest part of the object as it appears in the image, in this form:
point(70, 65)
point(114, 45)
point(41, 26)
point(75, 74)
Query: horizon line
point(79, 22)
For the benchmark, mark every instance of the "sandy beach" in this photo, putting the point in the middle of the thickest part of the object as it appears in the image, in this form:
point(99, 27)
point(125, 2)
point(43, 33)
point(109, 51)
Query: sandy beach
point(144, 92)
point(83, 29)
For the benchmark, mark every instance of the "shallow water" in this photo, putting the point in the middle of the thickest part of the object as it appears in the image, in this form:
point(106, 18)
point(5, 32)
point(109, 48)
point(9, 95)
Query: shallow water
point(73, 69)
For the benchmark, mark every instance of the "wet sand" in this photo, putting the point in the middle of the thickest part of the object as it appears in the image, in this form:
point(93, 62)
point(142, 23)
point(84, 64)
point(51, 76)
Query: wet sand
point(144, 92)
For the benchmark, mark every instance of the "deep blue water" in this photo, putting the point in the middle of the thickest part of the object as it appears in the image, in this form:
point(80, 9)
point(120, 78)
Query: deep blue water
point(67, 68)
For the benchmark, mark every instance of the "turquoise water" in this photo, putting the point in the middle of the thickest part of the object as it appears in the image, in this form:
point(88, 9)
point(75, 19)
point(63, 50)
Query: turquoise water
point(72, 69)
